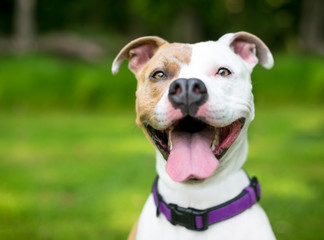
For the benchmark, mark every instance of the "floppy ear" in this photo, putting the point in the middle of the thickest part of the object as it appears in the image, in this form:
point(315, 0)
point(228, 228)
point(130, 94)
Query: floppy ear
point(250, 48)
point(138, 52)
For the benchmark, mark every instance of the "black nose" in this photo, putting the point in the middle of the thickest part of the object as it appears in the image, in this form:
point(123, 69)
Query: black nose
point(188, 95)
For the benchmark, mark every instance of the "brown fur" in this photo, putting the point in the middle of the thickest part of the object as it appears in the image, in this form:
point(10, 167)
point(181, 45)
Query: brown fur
point(132, 234)
point(167, 58)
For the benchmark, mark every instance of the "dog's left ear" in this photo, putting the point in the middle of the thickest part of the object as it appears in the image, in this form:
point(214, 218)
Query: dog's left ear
point(250, 48)
point(138, 52)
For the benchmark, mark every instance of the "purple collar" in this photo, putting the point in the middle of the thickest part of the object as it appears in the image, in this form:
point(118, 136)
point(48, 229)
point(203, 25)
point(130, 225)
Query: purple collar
point(199, 220)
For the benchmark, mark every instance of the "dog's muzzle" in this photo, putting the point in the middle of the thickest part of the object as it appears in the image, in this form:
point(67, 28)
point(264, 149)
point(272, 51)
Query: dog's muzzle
point(190, 145)
point(188, 95)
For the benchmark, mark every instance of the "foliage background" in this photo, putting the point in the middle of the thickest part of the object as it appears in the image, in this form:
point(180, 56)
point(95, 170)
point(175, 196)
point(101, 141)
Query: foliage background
point(74, 165)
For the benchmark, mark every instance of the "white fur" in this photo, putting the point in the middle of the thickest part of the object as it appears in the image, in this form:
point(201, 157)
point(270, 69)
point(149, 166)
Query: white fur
point(230, 98)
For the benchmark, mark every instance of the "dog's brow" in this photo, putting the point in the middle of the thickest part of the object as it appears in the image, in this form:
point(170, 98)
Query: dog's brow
point(174, 59)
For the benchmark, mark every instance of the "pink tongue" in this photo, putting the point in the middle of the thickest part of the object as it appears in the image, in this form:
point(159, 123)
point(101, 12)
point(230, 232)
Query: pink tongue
point(191, 156)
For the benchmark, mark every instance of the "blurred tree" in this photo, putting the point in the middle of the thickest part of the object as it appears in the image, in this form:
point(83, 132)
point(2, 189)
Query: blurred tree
point(312, 26)
point(6, 10)
point(24, 25)
point(277, 22)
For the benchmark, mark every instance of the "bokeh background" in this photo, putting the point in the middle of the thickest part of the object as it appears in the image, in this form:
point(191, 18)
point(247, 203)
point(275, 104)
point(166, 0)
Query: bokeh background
point(73, 164)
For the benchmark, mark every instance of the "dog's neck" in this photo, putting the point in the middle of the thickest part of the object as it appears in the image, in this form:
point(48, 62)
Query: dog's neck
point(227, 182)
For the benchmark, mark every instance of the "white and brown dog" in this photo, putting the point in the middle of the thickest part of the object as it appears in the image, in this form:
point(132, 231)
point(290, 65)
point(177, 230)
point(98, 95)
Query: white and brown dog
point(194, 103)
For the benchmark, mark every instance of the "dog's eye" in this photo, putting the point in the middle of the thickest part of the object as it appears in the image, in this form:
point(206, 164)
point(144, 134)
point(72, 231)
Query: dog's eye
point(158, 75)
point(224, 72)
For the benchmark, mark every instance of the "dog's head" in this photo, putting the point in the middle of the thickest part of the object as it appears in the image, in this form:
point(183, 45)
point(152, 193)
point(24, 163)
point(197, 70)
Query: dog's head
point(194, 101)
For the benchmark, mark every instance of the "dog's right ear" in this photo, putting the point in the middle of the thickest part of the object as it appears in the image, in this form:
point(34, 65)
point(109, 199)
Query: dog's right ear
point(138, 52)
point(250, 48)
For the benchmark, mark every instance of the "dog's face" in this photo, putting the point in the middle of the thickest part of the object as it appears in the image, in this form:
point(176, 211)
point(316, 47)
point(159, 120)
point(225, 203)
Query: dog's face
point(194, 101)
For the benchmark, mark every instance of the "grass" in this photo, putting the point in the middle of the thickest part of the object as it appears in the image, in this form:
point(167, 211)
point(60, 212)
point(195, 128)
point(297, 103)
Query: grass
point(42, 81)
point(64, 176)
point(77, 175)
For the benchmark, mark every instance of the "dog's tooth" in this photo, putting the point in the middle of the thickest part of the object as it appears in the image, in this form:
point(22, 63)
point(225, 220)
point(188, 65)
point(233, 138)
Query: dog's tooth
point(169, 139)
point(213, 147)
point(215, 140)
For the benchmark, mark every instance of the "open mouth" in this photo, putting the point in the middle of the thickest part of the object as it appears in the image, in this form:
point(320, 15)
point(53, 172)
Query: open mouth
point(222, 140)
point(192, 147)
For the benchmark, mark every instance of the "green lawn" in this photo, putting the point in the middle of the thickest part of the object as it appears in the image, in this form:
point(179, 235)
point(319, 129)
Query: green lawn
point(73, 175)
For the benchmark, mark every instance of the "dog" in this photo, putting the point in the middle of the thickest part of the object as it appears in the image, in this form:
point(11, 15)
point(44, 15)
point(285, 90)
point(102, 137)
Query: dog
point(194, 102)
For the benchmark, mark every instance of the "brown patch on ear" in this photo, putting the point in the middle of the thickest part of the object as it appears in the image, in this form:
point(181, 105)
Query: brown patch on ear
point(142, 54)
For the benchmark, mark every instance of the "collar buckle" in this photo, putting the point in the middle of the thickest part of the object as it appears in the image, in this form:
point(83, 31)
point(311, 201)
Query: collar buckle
point(256, 187)
point(188, 217)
